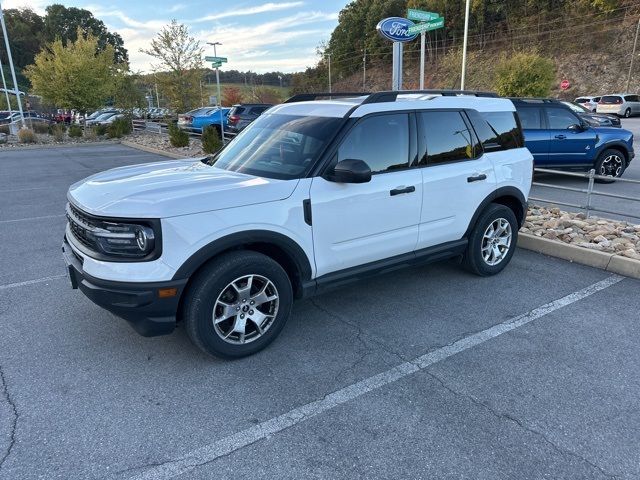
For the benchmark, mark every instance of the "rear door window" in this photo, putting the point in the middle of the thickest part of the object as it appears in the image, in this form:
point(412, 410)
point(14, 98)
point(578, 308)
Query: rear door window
point(530, 117)
point(447, 137)
point(497, 128)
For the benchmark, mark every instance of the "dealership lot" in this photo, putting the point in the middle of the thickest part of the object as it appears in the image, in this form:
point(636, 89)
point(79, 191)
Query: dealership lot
point(436, 373)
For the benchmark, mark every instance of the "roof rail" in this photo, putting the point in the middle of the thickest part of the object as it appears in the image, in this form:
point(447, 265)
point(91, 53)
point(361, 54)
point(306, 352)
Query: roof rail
point(391, 96)
point(534, 100)
point(307, 97)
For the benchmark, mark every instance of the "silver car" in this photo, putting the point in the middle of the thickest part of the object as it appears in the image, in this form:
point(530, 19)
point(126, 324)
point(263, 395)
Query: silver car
point(621, 104)
point(590, 103)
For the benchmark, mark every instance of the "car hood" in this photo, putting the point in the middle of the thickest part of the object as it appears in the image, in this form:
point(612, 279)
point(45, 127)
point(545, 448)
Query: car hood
point(172, 188)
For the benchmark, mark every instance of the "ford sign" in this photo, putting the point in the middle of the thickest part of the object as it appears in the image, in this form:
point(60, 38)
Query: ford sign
point(396, 29)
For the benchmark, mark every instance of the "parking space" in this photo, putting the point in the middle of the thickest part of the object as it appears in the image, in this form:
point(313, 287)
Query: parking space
point(625, 207)
point(424, 373)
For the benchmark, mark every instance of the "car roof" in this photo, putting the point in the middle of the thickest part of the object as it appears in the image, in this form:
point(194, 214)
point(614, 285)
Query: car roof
point(358, 107)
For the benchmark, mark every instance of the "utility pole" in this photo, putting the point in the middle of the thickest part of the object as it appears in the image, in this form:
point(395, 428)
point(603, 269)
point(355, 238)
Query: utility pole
point(280, 78)
point(13, 71)
point(422, 54)
point(633, 54)
point(364, 70)
point(464, 45)
point(157, 97)
point(329, 57)
point(219, 98)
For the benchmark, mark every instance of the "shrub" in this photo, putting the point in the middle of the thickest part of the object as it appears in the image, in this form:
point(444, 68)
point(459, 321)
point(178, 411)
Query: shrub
point(40, 127)
point(5, 129)
point(525, 74)
point(100, 129)
point(57, 130)
point(177, 137)
point(26, 135)
point(90, 134)
point(211, 141)
point(119, 127)
point(75, 130)
point(3, 138)
point(231, 96)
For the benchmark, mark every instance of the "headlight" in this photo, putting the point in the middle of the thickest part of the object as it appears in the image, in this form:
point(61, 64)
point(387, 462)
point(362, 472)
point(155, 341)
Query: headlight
point(112, 239)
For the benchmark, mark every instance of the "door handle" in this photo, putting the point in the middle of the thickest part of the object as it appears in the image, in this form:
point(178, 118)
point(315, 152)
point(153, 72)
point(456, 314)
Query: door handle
point(477, 178)
point(561, 137)
point(400, 190)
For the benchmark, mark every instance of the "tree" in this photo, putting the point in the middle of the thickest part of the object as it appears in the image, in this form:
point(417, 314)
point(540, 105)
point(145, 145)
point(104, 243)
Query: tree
point(24, 28)
point(74, 76)
point(179, 68)
point(66, 23)
point(231, 96)
point(524, 74)
point(128, 91)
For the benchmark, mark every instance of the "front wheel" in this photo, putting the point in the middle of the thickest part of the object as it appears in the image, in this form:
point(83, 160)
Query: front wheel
point(492, 241)
point(237, 304)
point(610, 163)
point(627, 113)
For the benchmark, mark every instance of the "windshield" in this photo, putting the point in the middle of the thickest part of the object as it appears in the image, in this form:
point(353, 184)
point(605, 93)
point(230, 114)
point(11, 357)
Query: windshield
point(278, 146)
point(576, 108)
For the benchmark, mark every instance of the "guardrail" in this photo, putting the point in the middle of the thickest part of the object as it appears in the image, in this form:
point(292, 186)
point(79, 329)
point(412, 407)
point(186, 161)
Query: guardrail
point(149, 126)
point(589, 191)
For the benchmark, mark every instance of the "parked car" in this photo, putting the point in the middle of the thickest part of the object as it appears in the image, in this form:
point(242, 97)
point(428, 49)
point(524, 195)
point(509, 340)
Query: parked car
point(623, 104)
point(243, 114)
point(29, 116)
point(311, 195)
point(590, 103)
point(205, 117)
point(98, 113)
point(104, 118)
point(63, 116)
point(558, 138)
point(185, 119)
point(593, 119)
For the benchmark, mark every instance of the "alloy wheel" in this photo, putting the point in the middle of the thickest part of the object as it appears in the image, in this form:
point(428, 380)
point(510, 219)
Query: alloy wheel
point(611, 166)
point(245, 309)
point(496, 241)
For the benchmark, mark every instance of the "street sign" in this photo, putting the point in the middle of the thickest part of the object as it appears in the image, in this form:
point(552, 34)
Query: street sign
point(216, 64)
point(426, 26)
point(421, 15)
point(564, 85)
point(213, 100)
point(216, 59)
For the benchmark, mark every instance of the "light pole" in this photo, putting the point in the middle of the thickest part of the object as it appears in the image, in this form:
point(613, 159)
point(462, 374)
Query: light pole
point(464, 45)
point(13, 71)
point(219, 98)
point(280, 78)
point(364, 70)
point(329, 60)
point(633, 54)
point(6, 92)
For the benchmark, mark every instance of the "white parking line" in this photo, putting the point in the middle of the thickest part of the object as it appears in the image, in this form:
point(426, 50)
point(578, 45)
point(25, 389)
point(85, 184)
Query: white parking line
point(30, 282)
point(32, 218)
point(234, 442)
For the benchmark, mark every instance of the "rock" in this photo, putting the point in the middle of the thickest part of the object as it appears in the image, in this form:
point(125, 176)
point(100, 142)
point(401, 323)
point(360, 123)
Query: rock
point(591, 246)
point(631, 254)
point(554, 223)
point(581, 216)
point(578, 223)
point(551, 235)
point(600, 239)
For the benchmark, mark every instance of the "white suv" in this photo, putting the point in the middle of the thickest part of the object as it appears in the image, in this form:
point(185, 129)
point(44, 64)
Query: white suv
point(311, 195)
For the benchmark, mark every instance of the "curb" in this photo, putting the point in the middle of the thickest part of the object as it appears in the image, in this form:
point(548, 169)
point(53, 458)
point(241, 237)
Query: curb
point(42, 146)
point(155, 150)
point(609, 262)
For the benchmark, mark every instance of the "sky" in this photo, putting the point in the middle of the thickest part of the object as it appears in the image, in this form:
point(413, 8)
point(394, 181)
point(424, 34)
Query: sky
point(256, 35)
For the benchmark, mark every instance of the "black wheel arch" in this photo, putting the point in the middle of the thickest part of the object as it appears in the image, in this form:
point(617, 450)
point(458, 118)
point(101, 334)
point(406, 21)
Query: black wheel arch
point(621, 147)
point(509, 197)
point(275, 245)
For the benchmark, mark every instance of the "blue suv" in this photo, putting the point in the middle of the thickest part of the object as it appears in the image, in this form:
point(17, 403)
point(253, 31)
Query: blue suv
point(558, 138)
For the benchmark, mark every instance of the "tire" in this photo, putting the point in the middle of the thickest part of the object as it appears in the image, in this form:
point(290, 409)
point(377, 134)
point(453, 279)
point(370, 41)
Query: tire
point(610, 163)
point(225, 280)
point(627, 113)
point(481, 262)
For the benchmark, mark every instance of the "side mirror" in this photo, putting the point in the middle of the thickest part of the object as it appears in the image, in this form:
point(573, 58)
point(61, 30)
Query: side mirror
point(350, 171)
point(577, 127)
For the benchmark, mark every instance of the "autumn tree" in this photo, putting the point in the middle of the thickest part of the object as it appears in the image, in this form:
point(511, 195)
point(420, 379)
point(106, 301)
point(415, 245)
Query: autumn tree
point(178, 65)
point(231, 96)
point(77, 76)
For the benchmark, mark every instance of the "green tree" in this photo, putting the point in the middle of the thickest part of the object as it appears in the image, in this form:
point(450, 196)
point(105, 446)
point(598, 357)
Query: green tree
point(24, 28)
point(179, 65)
point(66, 24)
point(74, 76)
point(128, 91)
point(524, 74)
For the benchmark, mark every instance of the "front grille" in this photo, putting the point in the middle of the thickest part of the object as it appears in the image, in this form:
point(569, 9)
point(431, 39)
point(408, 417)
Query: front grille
point(80, 224)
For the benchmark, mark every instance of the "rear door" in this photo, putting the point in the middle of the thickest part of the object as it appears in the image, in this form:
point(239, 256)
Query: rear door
point(457, 176)
point(536, 136)
point(568, 147)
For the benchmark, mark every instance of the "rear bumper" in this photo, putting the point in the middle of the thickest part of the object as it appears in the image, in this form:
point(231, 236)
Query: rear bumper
point(137, 303)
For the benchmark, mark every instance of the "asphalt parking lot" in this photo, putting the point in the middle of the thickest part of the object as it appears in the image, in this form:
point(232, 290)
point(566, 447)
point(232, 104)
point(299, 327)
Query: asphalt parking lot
point(429, 373)
point(629, 210)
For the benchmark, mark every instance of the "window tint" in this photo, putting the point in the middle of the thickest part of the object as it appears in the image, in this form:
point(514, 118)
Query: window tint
point(530, 118)
point(258, 110)
point(381, 141)
point(560, 118)
point(582, 100)
point(236, 110)
point(631, 98)
point(504, 129)
point(611, 99)
point(447, 137)
point(596, 99)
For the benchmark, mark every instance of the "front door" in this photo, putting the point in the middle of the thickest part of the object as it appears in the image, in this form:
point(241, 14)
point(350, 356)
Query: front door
point(568, 146)
point(356, 224)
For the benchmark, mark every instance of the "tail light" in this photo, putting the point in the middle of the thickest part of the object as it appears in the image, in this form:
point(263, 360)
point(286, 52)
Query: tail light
point(233, 119)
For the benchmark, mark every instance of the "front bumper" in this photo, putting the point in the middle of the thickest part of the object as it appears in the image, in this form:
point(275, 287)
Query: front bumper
point(139, 304)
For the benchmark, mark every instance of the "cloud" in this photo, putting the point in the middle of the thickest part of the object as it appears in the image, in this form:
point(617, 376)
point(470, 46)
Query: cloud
point(35, 5)
point(177, 7)
point(264, 8)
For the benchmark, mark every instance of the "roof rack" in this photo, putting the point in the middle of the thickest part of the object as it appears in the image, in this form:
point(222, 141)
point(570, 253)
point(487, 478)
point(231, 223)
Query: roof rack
point(307, 97)
point(534, 100)
point(392, 96)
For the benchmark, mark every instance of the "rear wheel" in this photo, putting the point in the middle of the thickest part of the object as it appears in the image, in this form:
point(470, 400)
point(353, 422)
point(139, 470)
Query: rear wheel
point(627, 113)
point(492, 241)
point(610, 163)
point(237, 305)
